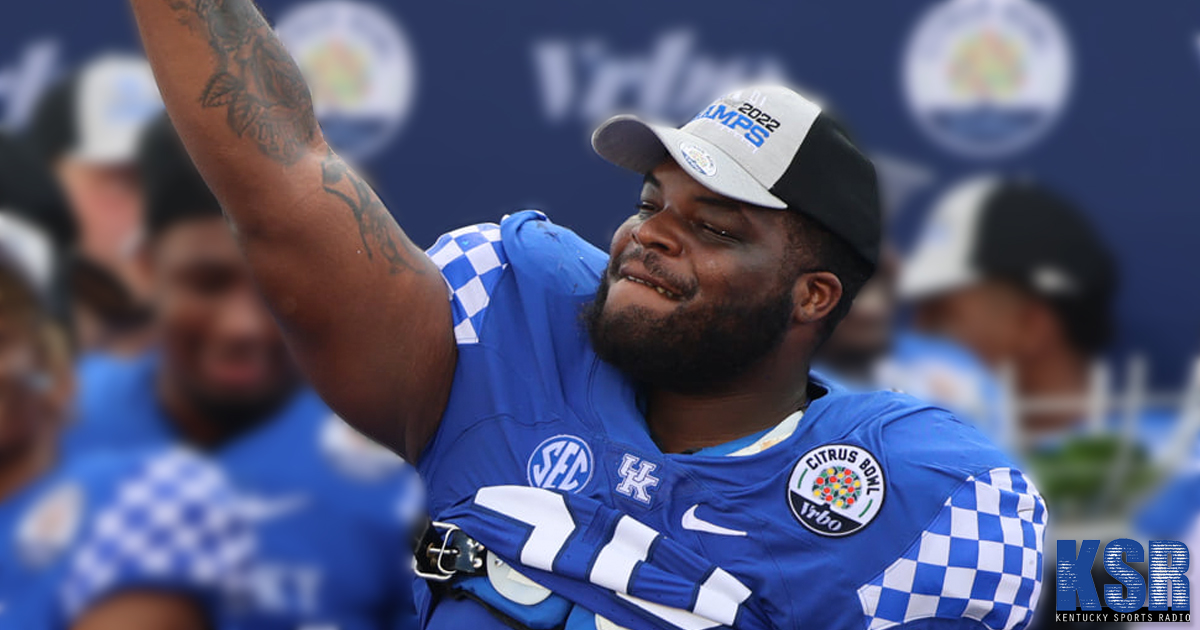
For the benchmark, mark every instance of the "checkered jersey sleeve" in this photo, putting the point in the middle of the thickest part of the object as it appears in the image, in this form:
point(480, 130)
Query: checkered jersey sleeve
point(172, 525)
point(979, 561)
point(472, 261)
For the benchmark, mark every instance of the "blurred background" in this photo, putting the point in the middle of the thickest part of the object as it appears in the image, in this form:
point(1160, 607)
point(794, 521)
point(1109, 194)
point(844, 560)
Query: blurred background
point(1037, 158)
point(465, 111)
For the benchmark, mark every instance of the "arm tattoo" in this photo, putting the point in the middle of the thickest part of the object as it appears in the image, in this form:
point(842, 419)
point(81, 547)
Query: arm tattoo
point(267, 100)
point(374, 223)
point(256, 80)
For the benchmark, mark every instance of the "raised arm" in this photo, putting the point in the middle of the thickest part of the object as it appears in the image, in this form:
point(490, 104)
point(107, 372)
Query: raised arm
point(364, 310)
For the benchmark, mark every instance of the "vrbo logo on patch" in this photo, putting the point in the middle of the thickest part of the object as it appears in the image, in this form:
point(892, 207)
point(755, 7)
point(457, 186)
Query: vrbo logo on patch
point(1164, 595)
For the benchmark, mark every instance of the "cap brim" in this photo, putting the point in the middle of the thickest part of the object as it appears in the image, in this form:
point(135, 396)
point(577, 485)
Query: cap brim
point(928, 273)
point(639, 146)
point(106, 156)
point(27, 254)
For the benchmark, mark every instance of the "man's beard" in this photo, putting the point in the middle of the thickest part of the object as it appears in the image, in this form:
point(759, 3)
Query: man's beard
point(692, 350)
point(235, 415)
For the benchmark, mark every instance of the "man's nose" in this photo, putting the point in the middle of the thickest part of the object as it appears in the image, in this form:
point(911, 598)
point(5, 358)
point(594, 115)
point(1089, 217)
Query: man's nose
point(660, 232)
point(245, 317)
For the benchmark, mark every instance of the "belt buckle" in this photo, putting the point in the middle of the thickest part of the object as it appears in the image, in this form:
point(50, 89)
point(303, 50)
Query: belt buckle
point(445, 551)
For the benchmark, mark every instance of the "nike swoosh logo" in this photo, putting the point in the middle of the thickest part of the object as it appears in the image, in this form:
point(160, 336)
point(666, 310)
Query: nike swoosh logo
point(269, 509)
point(696, 524)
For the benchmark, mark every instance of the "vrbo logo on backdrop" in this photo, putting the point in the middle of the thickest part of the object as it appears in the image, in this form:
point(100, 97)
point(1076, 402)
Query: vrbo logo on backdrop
point(1169, 591)
point(24, 79)
point(584, 81)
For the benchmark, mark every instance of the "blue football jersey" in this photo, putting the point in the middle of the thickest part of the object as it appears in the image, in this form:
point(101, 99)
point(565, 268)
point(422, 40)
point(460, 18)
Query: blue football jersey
point(331, 510)
point(160, 519)
point(941, 372)
point(872, 510)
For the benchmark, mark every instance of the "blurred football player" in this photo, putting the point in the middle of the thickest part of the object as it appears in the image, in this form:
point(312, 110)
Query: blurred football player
point(86, 128)
point(328, 504)
point(1015, 273)
point(150, 539)
point(626, 440)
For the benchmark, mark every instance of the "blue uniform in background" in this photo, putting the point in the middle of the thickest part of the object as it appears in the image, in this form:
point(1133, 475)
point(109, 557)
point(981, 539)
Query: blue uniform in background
point(160, 519)
point(867, 511)
point(330, 508)
point(947, 375)
point(940, 372)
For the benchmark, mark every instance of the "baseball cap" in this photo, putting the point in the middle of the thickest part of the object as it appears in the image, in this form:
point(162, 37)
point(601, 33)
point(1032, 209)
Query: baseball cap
point(767, 146)
point(1017, 230)
point(994, 226)
point(29, 190)
point(35, 222)
point(97, 114)
point(174, 189)
point(27, 253)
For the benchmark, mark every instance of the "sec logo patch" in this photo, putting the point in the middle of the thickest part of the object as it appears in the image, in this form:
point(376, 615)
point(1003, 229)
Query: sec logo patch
point(563, 462)
point(836, 489)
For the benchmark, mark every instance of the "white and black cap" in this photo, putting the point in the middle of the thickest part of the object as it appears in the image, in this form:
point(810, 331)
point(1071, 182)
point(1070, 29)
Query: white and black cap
point(35, 223)
point(27, 253)
point(767, 146)
point(994, 227)
point(97, 114)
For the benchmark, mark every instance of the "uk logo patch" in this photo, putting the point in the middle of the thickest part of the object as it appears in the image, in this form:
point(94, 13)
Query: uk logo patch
point(836, 489)
point(636, 478)
point(563, 462)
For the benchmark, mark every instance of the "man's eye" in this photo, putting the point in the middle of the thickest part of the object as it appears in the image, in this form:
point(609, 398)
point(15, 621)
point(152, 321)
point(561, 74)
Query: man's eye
point(712, 229)
point(209, 282)
point(645, 207)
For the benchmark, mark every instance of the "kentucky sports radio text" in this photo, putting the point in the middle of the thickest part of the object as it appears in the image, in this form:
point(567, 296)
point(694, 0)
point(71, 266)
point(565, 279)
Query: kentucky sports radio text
point(1169, 591)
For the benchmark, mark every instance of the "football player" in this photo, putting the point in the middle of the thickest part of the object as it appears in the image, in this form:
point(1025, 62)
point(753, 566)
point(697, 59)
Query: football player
point(623, 439)
point(85, 128)
point(150, 538)
point(327, 504)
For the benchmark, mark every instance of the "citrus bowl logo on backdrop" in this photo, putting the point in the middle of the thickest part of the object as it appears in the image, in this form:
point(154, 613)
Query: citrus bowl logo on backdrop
point(985, 78)
point(360, 69)
point(563, 462)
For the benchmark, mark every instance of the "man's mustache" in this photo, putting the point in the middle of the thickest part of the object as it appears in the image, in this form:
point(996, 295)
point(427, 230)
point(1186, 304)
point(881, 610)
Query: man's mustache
point(652, 261)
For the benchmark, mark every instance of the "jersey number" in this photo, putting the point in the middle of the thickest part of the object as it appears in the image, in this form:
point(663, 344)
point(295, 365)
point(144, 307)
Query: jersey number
point(546, 512)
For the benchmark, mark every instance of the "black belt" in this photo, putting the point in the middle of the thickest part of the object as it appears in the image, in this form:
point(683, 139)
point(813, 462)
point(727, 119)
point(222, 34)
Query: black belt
point(443, 552)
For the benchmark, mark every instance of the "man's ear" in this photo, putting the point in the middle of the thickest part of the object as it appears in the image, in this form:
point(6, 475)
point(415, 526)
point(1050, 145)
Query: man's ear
point(143, 256)
point(56, 347)
point(815, 294)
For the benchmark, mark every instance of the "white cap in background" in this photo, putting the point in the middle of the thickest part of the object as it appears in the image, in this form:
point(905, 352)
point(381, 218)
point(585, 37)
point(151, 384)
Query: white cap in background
point(115, 98)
